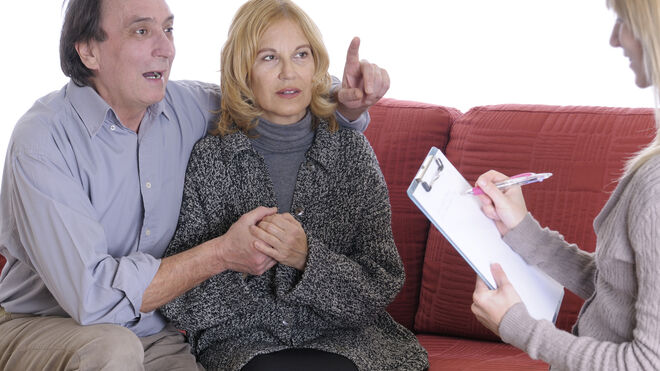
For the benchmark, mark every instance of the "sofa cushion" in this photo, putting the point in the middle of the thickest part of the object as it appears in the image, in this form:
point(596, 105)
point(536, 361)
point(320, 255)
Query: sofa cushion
point(401, 134)
point(447, 353)
point(584, 147)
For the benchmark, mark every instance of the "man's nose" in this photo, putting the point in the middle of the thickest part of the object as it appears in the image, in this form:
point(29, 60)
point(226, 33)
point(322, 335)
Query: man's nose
point(164, 46)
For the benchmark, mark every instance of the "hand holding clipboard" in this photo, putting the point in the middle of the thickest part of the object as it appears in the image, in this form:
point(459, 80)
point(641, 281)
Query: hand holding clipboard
point(439, 190)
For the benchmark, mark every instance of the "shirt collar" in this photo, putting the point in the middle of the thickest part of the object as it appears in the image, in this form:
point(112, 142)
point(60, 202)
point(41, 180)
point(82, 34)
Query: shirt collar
point(93, 110)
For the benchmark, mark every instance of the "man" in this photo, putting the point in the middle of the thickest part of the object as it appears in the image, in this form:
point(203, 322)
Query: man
point(92, 189)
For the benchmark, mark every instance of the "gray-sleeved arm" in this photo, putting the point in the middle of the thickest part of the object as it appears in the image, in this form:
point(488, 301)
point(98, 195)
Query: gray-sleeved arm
point(566, 263)
point(350, 289)
point(568, 352)
point(66, 245)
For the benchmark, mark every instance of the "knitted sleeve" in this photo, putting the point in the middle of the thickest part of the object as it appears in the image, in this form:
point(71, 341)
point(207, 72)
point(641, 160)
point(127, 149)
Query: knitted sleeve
point(191, 311)
point(568, 352)
point(566, 263)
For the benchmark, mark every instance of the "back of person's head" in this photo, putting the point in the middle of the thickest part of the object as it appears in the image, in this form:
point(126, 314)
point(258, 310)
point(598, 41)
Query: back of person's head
point(643, 18)
point(82, 23)
point(238, 107)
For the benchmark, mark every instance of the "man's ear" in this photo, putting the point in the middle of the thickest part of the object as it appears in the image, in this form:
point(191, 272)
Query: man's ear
point(88, 54)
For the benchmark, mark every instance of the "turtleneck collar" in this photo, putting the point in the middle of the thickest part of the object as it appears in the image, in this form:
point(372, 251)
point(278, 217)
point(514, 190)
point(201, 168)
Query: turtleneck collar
point(283, 138)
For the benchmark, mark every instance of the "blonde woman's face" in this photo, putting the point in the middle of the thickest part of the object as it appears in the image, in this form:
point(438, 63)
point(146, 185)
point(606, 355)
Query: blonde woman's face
point(282, 73)
point(623, 37)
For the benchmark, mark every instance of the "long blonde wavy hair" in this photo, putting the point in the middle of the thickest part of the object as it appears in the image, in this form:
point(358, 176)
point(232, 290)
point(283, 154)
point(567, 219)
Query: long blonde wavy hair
point(239, 110)
point(643, 18)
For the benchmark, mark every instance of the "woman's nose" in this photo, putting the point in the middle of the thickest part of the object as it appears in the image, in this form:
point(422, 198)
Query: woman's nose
point(614, 38)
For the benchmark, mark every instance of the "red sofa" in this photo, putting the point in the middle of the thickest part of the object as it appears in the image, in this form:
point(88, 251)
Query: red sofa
point(585, 148)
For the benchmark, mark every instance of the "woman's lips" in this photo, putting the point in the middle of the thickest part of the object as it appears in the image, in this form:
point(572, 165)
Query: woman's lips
point(288, 93)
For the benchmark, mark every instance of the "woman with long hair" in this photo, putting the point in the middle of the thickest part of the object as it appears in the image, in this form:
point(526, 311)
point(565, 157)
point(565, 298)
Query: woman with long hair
point(335, 266)
point(618, 327)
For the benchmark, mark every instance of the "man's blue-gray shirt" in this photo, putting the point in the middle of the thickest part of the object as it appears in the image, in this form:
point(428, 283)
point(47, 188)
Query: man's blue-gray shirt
point(88, 207)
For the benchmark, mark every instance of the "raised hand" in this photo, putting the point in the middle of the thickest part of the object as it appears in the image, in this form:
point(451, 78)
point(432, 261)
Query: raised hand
point(282, 238)
point(363, 83)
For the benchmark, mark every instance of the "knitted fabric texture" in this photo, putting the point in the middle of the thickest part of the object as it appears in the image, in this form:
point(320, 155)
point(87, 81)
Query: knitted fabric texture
point(619, 324)
point(337, 304)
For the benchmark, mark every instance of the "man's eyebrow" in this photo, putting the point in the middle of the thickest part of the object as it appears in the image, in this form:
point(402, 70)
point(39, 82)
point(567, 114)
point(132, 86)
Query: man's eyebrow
point(150, 19)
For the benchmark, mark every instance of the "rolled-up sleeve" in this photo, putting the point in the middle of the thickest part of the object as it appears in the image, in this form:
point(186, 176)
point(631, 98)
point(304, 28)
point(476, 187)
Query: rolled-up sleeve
point(66, 245)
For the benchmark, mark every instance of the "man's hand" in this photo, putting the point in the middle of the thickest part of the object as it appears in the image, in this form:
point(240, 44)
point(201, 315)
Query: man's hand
point(237, 250)
point(363, 84)
point(490, 306)
point(285, 240)
point(234, 250)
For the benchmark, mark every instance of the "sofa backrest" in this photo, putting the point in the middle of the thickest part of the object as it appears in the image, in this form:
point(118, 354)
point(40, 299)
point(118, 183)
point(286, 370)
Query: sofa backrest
point(401, 134)
point(584, 147)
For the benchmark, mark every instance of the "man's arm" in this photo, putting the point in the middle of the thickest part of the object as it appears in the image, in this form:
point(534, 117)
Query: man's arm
point(232, 251)
point(65, 244)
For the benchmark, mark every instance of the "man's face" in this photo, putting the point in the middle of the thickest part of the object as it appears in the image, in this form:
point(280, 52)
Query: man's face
point(132, 66)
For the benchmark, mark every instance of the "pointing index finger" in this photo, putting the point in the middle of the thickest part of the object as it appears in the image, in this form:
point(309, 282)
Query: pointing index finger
point(353, 54)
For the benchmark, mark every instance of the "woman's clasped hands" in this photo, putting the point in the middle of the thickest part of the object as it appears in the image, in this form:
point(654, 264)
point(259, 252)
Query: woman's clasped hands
point(281, 237)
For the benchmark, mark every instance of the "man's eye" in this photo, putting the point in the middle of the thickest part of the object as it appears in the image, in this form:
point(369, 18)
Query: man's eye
point(169, 29)
point(141, 31)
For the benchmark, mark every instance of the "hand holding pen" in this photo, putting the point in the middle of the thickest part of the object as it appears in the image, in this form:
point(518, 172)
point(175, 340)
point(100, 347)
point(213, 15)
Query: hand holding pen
point(506, 209)
point(516, 180)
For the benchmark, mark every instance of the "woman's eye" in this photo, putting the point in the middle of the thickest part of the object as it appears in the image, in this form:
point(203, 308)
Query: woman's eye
point(303, 54)
point(269, 58)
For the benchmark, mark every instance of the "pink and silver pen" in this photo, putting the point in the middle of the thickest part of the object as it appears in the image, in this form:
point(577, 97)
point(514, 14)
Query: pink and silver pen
point(519, 180)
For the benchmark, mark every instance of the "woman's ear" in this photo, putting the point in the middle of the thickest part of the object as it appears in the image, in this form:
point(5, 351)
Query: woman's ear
point(88, 54)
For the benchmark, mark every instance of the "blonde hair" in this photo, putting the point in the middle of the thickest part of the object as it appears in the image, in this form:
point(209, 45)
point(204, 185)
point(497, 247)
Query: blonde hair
point(238, 107)
point(643, 18)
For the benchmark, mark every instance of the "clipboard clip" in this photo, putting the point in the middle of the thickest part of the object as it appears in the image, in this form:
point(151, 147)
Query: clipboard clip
point(430, 159)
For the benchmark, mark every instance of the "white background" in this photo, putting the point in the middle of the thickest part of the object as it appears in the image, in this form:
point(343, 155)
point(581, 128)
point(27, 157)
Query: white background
point(458, 53)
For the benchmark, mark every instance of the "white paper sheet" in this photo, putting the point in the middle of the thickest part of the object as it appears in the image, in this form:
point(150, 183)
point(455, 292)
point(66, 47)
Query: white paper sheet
point(460, 219)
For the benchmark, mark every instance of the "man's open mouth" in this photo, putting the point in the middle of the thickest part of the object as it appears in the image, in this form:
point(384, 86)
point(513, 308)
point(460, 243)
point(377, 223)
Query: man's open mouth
point(154, 75)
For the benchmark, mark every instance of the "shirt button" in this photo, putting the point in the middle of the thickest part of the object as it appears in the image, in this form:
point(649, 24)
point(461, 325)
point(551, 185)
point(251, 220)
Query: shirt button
point(310, 165)
point(148, 185)
point(285, 323)
point(113, 127)
point(299, 211)
point(148, 232)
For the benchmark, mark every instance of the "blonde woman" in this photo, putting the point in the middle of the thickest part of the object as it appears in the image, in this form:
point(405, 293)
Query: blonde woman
point(334, 263)
point(619, 325)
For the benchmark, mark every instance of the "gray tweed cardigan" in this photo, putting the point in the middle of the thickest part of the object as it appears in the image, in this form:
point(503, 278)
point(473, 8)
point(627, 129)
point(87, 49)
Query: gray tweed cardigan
point(353, 269)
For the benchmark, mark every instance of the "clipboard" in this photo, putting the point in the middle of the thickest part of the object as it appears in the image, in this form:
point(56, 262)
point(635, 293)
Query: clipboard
point(438, 189)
